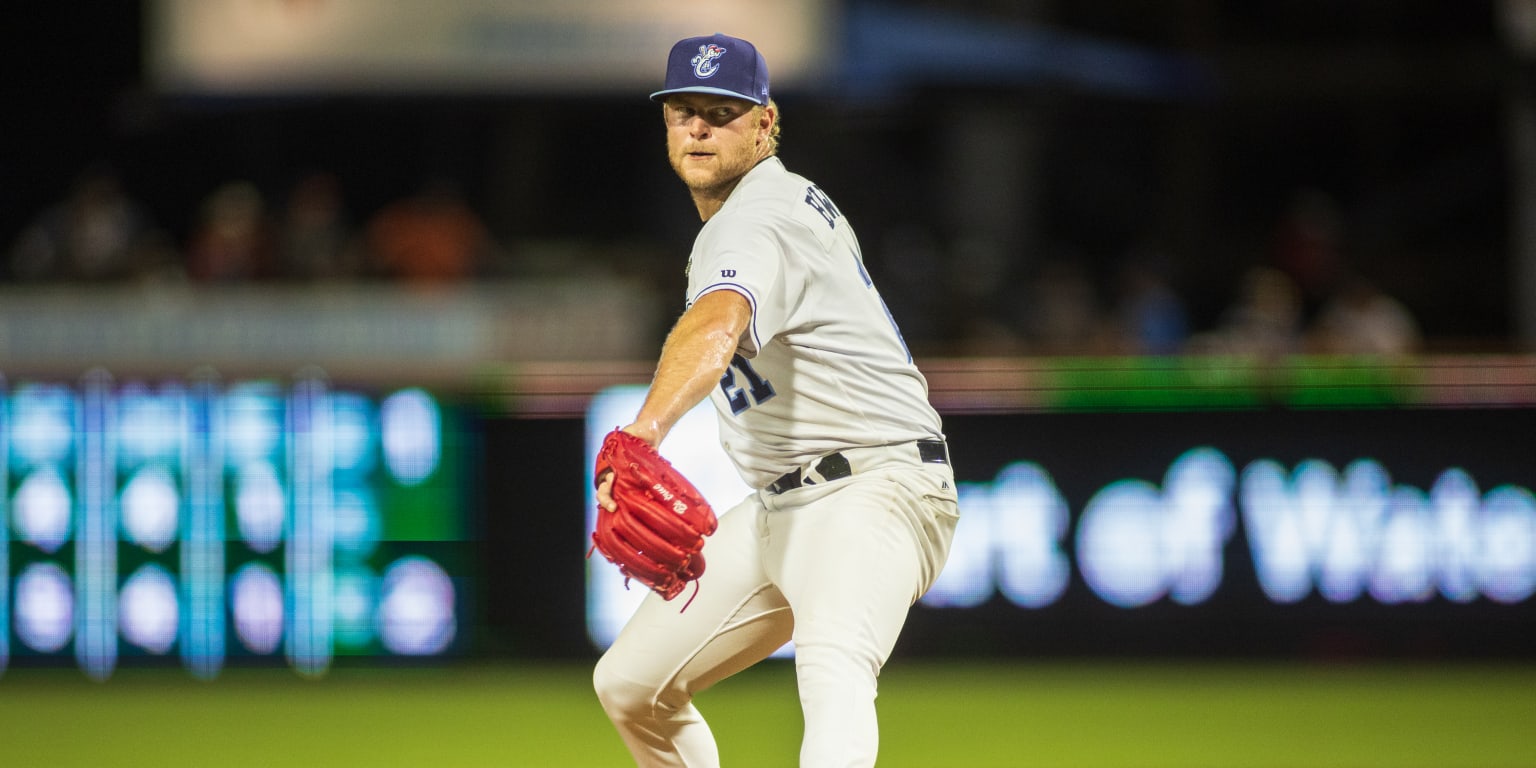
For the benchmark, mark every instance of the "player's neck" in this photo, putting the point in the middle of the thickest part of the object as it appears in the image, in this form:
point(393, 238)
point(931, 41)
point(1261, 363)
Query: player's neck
point(709, 200)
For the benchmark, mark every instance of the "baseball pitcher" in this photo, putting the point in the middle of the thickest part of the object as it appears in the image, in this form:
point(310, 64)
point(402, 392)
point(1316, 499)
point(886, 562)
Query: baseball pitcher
point(822, 412)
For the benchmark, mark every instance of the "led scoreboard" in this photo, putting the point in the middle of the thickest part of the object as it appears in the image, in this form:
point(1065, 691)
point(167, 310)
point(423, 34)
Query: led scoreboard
point(212, 522)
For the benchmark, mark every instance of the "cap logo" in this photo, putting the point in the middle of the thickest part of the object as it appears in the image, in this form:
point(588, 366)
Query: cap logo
point(706, 64)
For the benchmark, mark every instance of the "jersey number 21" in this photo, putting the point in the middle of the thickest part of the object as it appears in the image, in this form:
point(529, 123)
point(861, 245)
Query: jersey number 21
point(754, 390)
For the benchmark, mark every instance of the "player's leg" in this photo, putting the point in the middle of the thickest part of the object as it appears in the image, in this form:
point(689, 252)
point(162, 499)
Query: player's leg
point(851, 558)
point(664, 655)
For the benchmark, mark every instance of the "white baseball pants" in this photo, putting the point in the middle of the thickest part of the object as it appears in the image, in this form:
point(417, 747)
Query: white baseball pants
point(833, 566)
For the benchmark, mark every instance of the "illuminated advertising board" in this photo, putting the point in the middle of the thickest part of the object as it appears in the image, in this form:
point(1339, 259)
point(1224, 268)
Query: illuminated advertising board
point(1396, 529)
point(211, 522)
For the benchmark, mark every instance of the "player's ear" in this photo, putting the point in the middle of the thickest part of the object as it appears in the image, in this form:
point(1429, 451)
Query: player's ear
point(768, 115)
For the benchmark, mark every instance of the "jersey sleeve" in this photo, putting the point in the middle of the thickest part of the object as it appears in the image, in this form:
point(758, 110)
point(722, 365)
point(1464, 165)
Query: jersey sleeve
point(747, 257)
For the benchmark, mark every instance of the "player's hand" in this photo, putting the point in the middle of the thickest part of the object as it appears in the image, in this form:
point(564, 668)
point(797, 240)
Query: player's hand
point(647, 431)
point(605, 491)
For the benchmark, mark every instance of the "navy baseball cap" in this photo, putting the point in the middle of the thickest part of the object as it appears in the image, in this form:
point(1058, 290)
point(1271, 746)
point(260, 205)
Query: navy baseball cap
point(718, 64)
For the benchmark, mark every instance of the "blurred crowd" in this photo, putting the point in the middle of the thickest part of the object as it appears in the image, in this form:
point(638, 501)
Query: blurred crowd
point(1301, 296)
point(1298, 294)
point(100, 233)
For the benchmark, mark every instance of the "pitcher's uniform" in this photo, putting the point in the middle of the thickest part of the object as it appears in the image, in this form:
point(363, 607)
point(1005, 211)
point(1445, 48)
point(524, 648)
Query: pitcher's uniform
point(822, 411)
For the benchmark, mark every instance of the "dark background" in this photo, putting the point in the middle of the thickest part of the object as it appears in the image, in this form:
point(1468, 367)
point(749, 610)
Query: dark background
point(1392, 110)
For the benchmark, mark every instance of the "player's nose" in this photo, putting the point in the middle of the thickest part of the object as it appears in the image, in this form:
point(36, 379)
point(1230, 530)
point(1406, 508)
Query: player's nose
point(698, 127)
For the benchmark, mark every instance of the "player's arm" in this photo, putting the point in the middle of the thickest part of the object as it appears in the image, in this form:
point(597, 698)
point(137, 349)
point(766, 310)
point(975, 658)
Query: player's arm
point(697, 352)
point(694, 357)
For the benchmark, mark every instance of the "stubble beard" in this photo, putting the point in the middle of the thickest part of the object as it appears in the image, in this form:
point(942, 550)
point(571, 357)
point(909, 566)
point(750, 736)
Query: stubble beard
point(705, 183)
point(715, 182)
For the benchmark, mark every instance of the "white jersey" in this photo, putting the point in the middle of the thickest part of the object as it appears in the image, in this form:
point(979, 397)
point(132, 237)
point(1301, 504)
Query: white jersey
point(822, 366)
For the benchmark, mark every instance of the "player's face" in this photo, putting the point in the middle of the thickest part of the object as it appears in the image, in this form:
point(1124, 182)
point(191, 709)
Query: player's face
point(713, 141)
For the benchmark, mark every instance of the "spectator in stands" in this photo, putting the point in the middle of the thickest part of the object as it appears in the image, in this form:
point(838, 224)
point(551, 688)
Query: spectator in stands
point(1149, 316)
point(1062, 313)
point(1307, 245)
point(233, 239)
point(314, 239)
point(1265, 320)
point(1361, 319)
point(98, 233)
point(430, 237)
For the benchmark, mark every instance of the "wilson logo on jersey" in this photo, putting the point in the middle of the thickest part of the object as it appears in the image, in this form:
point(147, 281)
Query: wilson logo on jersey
point(705, 64)
point(727, 273)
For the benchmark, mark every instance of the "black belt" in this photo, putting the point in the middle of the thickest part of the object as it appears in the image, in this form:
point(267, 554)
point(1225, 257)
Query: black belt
point(835, 466)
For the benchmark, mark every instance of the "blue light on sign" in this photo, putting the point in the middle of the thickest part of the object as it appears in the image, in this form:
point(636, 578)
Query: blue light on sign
point(1342, 535)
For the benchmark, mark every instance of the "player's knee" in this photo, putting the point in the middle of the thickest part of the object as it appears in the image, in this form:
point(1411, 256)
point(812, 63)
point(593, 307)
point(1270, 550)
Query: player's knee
point(839, 664)
point(621, 697)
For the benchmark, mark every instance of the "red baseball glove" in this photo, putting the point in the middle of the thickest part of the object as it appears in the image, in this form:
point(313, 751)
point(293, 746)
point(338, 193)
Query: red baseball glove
point(657, 529)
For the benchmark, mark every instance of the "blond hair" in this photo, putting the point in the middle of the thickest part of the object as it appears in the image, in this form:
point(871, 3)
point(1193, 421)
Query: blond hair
point(773, 133)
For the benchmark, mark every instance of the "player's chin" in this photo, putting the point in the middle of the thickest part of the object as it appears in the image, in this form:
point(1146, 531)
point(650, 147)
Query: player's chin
point(698, 176)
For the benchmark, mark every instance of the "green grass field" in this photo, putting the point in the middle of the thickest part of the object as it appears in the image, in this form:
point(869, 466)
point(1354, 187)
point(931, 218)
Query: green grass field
point(933, 715)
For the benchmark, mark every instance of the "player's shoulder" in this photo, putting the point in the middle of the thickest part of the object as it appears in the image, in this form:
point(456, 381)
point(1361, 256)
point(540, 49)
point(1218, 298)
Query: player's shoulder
point(772, 186)
point(771, 205)
point(771, 194)
point(757, 201)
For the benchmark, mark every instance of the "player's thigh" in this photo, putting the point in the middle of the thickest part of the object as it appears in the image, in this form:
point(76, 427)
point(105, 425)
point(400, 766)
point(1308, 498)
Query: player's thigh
point(853, 559)
point(736, 618)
